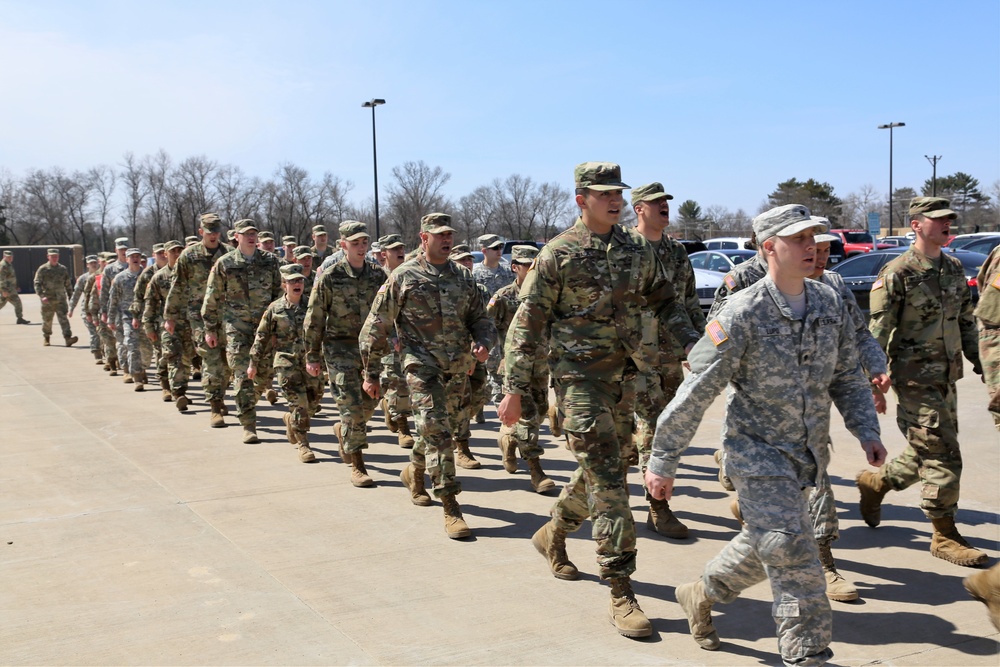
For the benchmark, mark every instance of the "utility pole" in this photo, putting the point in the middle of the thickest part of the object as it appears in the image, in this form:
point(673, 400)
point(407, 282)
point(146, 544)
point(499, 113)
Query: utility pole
point(933, 160)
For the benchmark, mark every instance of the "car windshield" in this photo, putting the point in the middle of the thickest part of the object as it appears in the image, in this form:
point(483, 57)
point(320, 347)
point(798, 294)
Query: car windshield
point(858, 237)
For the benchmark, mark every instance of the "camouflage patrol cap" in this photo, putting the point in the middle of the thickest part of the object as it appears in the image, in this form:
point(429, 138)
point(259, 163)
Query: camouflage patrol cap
point(171, 244)
point(489, 241)
point(245, 226)
point(649, 192)
point(121, 242)
point(8, 253)
point(301, 251)
point(231, 234)
point(932, 207)
point(52, 251)
point(319, 230)
point(391, 241)
point(133, 251)
point(158, 247)
point(291, 272)
point(289, 240)
point(88, 259)
point(265, 236)
point(352, 230)
point(523, 254)
point(785, 221)
point(436, 223)
point(599, 176)
point(210, 222)
point(824, 238)
point(461, 251)
point(189, 240)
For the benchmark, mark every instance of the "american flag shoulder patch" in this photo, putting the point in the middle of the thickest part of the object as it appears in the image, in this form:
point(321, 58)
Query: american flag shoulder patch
point(716, 333)
point(878, 284)
point(383, 288)
point(492, 302)
point(730, 281)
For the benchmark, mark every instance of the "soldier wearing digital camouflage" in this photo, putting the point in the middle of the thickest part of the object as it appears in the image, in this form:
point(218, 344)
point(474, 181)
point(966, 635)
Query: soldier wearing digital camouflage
point(91, 309)
point(114, 266)
point(493, 273)
point(438, 314)
point(241, 285)
point(522, 437)
point(182, 317)
point(338, 307)
point(396, 402)
point(922, 316)
point(582, 301)
point(784, 347)
point(660, 371)
point(280, 335)
point(53, 287)
point(151, 321)
point(120, 319)
point(8, 286)
point(78, 289)
point(988, 315)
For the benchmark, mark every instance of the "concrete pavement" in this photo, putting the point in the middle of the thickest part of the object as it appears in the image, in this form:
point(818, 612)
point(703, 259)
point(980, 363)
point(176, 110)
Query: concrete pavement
point(132, 534)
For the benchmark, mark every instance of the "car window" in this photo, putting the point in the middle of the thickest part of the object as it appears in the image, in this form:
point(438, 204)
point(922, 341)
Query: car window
point(863, 265)
point(983, 246)
point(697, 260)
point(858, 237)
point(719, 263)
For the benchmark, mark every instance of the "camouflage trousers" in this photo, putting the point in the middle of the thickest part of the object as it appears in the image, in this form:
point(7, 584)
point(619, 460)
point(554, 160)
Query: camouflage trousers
point(472, 402)
point(397, 394)
point(246, 392)
point(534, 407)
point(108, 341)
point(600, 438)
point(149, 349)
point(57, 308)
point(436, 397)
point(301, 392)
point(653, 390)
point(927, 416)
point(121, 349)
point(353, 403)
point(13, 298)
point(214, 367)
point(178, 352)
point(95, 337)
point(132, 338)
point(989, 356)
point(494, 378)
point(775, 544)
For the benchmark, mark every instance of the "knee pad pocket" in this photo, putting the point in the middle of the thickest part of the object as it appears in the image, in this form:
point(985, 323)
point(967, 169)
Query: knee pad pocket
point(780, 549)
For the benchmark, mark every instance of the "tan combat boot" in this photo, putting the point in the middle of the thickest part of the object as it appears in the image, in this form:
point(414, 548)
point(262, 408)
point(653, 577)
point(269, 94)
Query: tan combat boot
point(127, 378)
point(413, 479)
point(624, 612)
point(250, 433)
point(661, 520)
point(948, 545)
point(98, 357)
point(305, 451)
point(463, 457)
point(985, 587)
point(389, 422)
point(165, 388)
point(107, 364)
point(403, 435)
point(454, 525)
point(734, 507)
point(698, 608)
point(550, 541)
point(182, 402)
point(140, 381)
point(45, 341)
point(216, 419)
point(873, 488)
point(338, 431)
point(837, 588)
point(70, 340)
point(539, 481)
point(555, 426)
point(271, 395)
point(359, 474)
point(508, 450)
point(724, 480)
point(289, 431)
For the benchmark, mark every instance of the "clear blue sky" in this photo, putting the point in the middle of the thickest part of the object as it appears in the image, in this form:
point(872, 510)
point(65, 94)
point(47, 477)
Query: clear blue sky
point(718, 100)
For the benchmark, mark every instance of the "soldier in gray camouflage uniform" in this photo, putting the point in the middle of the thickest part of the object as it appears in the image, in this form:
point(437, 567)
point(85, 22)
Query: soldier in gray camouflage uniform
point(53, 287)
point(8, 286)
point(120, 319)
point(339, 304)
point(396, 404)
point(241, 285)
point(784, 341)
point(112, 338)
point(78, 288)
point(150, 348)
point(922, 316)
point(438, 313)
point(493, 273)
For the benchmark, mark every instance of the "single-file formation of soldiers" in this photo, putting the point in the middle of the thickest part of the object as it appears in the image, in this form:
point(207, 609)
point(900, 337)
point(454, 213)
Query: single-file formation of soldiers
point(606, 318)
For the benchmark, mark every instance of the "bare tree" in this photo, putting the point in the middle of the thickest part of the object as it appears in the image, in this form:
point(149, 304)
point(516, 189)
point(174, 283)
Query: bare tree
point(157, 171)
point(415, 191)
point(136, 188)
point(103, 181)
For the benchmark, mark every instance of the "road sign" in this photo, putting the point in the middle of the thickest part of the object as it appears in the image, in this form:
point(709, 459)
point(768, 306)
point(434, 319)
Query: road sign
point(874, 224)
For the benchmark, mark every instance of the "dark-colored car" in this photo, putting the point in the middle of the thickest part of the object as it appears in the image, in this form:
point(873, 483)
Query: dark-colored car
point(507, 245)
point(861, 271)
point(984, 245)
point(693, 246)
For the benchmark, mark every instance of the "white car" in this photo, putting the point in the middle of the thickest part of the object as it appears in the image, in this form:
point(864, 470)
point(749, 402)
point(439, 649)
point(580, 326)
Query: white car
point(726, 243)
point(706, 282)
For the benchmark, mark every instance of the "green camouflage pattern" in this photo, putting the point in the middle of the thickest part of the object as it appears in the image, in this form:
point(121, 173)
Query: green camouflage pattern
point(436, 399)
point(475, 397)
point(113, 268)
point(988, 314)
point(78, 292)
point(8, 288)
point(53, 282)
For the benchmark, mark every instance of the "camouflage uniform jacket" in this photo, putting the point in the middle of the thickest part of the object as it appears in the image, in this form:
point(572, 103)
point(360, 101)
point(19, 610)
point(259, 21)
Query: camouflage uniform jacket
point(583, 298)
point(438, 313)
point(110, 271)
point(239, 291)
point(742, 276)
point(53, 282)
point(988, 309)
point(320, 256)
point(8, 277)
point(338, 308)
point(660, 347)
point(139, 301)
point(187, 291)
point(121, 296)
point(281, 330)
point(501, 308)
point(155, 298)
point(783, 372)
point(870, 352)
point(92, 295)
point(921, 315)
point(81, 282)
point(493, 279)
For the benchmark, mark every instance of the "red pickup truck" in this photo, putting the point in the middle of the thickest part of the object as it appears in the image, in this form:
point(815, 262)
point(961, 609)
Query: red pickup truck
point(857, 241)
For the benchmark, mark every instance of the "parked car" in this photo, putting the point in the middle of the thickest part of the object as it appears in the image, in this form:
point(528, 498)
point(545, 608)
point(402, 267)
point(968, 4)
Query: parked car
point(984, 245)
point(962, 240)
point(727, 243)
point(722, 261)
point(507, 245)
point(706, 282)
point(861, 271)
point(896, 241)
point(857, 241)
point(692, 246)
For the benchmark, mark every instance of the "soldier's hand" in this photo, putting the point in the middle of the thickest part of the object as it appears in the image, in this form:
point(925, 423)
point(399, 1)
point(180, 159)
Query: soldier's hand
point(480, 353)
point(874, 451)
point(5, 294)
point(880, 404)
point(251, 371)
point(314, 368)
point(151, 335)
point(882, 381)
point(169, 325)
point(135, 322)
point(371, 388)
point(659, 487)
point(509, 410)
point(70, 313)
point(104, 318)
point(210, 339)
point(45, 299)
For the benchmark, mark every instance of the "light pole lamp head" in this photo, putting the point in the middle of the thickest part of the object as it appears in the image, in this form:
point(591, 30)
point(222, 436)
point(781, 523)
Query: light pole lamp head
point(889, 126)
point(370, 104)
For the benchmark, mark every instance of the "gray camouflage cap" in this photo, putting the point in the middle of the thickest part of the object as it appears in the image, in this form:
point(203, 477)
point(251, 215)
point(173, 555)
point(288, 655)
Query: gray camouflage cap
point(89, 258)
point(190, 240)
point(157, 247)
point(599, 176)
point(785, 221)
point(523, 254)
point(289, 240)
point(121, 242)
point(649, 192)
point(52, 251)
point(436, 223)
point(932, 207)
point(133, 251)
point(245, 226)
point(8, 253)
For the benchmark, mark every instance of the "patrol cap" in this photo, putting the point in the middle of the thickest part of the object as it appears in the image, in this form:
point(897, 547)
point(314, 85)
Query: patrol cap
point(231, 234)
point(599, 176)
point(133, 251)
point(523, 254)
point(265, 236)
point(291, 272)
point(436, 223)
point(785, 221)
point(88, 259)
point(932, 207)
point(302, 251)
point(121, 242)
point(375, 247)
point(824, 238)
point(352, 230)
point(489, 241)
point(649, 192)
point(8, 253)
point(52, 251)
point(210, 222)
point(461, 251)
point(319, 230)
point(289, 240)
point(173, 243)
point(391, 241)
point(189, 240)
point(245, 226)
point(157, 247)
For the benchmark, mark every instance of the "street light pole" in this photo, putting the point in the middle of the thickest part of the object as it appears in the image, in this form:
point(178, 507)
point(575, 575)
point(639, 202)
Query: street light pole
point(933, 160)
point(372, 104)
point(889, 126)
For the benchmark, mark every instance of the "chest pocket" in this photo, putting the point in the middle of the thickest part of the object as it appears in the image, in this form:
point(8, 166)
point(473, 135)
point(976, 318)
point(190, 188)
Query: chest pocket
point(924, 297)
